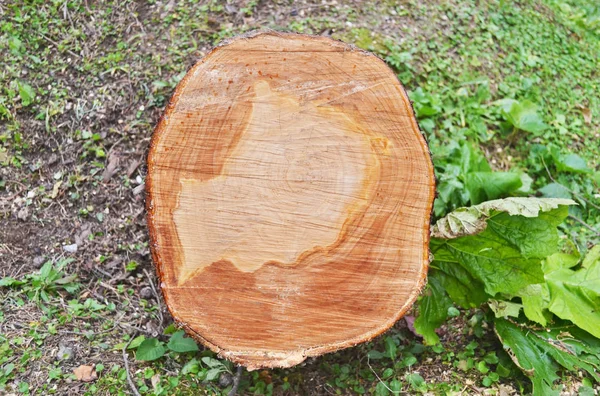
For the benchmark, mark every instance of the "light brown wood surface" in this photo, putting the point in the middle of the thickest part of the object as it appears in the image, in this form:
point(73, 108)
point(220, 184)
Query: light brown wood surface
point(289, 196)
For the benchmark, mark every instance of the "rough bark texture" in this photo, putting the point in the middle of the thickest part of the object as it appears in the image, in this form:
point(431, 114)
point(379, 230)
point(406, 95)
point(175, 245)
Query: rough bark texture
point(289, 196)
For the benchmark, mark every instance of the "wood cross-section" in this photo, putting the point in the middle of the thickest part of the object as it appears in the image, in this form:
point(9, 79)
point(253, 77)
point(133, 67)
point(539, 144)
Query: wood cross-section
point(289, 195)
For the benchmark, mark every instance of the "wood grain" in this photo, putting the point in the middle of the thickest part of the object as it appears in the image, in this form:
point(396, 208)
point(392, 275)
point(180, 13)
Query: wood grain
point(289, 197)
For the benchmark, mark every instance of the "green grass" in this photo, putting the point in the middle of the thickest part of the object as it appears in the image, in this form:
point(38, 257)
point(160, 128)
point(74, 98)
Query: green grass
point(79, 79)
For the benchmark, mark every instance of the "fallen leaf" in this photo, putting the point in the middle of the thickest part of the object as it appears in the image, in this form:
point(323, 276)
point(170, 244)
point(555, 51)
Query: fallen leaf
point(111, 168)
point(587, 113)
point(23, 213)
point(265, 376)
point(64, 352)
point(70, 248)
point(502, 308)
point(410, 323)
point(155, 380)
point(85, 373)
point(524, 115)
point(132, 167)
point(139, 189)
point(55, 189)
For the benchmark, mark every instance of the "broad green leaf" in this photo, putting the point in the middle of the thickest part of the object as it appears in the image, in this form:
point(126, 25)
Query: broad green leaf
point(553, 343)
point(570, 346)
point(170, 329)
point(527, 356)
point(586, 391)
point(572, 163)
point(463, 293)
point(213, 374)
point(500, 267)
point(179, 343)
point(390, 348)
point(27, 93)
point(150, 349)
point(453, 312)
point(555, 190)
point(395, 386)
point(575, 295)
point(567, 345)
point(533, 237)
point(418, 96)
point(581, 341)
point(505, 104)
point(136, 342)
point(426, 111)
point(427, 125)
point(447, 188)
point(592, 257)
point(16, 46)
point(23, 387)
point(526, 182)
point(559, 261)
point(71, 287)
point(484, 186)
point(381, 389)
point(416, 381)
point(503, 251)
point(375, 355)
point(462, 288)
point(524, 115)
point(433, 311)
point(387, 373)
point(45, 270)
point(503, 309)
point(212, 363)
point(8, 281)
point(471, 220)
point(535, 299)
point(473, 160)
point(8, 369)
point(191, 367)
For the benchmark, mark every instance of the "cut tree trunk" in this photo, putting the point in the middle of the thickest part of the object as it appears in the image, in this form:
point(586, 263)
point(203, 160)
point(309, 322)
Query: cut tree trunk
point(289, 197)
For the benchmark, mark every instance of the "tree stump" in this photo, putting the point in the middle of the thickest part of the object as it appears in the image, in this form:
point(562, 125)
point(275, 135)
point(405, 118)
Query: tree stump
point(289, 199)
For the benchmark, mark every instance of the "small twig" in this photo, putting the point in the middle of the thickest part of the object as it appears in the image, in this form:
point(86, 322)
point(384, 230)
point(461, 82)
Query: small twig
point(112, 289)
point(157, 297)
point(138, 329)
point(17, 183)
point(18, 271)
point(101, 271)
point(236, 381)
point(117, 323)
point(57, 46)
point(112, 148)
point(586, 225)
point(70, 332)
point(129, 380)
point(13, 196)
point(380, 380)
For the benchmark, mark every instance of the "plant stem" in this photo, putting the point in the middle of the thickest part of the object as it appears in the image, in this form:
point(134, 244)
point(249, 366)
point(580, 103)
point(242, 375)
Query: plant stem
point(236, 381)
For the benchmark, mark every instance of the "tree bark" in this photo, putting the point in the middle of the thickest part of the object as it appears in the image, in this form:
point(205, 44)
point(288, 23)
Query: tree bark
point(289, 199)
